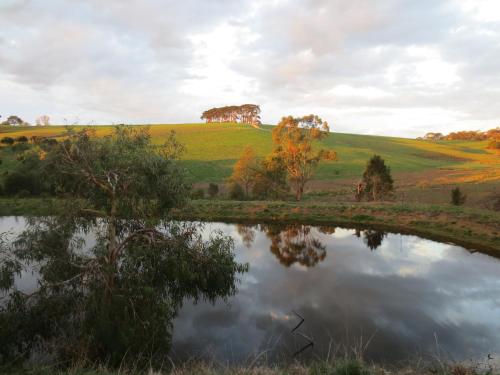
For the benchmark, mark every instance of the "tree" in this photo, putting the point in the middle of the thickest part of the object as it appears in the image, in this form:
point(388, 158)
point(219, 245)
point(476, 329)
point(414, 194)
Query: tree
point(213, 189)
point(115, 299)
point(377, 179)
point(14, 121)
point(7, 141)
point(245, 114)
point(293, 143)
point(457, 197)
point(270, 178)
point(244, 169)
point(22, 139)
point(43, 120)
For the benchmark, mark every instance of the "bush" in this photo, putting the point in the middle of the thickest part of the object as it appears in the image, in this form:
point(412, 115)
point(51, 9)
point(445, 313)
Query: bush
point(236, 192)
point(494, 144)
point(198, 194)
point(213, 190)
point(16, 182)
point(7, 141)
point(20, 147)
point(457, 197)
point(22, 139)
point(23, 193)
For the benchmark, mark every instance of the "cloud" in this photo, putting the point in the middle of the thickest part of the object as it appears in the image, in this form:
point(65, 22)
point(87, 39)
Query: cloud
point(356, 63)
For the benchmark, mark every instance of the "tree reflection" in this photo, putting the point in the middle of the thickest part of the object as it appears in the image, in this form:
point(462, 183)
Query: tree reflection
point(86, 307)
point(247, 233)
point(372, 238)
point(295, 243)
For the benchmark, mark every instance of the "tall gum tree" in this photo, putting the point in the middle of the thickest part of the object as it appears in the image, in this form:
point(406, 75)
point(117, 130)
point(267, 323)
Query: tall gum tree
point(293, 140)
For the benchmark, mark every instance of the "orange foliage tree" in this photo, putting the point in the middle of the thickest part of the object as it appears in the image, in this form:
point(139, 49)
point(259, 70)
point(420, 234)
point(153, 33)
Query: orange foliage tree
point(293, 140)
point(244, 170)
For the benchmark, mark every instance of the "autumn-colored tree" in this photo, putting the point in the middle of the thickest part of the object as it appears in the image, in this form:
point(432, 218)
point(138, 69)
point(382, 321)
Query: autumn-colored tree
point(244, 170)
point(270, 178)
point(293, 140)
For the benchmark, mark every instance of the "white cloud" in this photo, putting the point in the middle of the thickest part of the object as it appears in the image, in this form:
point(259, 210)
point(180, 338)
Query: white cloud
point(399, 67)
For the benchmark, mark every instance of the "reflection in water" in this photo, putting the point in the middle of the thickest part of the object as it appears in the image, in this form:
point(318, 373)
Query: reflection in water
point(87, 305)
point(247, 233)
point(295, 243)
point(301, 244)
point(372, 238)
point(401, 299)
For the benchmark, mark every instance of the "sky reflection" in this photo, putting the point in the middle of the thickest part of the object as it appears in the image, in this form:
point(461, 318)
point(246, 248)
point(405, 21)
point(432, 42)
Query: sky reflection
point(405, 295)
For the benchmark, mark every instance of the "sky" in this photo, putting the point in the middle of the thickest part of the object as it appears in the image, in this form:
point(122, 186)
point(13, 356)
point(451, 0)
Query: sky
point(387, 67)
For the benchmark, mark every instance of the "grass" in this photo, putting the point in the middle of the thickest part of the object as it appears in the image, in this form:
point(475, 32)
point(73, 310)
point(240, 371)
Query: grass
point(212, 149)
point(476, 229)
point(338, 367)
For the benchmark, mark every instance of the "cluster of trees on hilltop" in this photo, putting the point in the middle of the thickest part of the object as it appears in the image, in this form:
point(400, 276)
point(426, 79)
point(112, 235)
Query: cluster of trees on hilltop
point(245, 114)
point(14, 120)
point(465, 135)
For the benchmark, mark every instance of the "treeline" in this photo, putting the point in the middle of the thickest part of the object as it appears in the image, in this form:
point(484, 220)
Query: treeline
point(245, 114)
point(465, 135)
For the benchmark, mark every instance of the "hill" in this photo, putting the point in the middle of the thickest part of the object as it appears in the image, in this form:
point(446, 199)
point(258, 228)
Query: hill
point(212, 149)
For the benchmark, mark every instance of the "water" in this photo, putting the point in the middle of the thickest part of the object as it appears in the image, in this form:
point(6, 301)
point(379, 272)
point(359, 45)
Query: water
point(389, 296)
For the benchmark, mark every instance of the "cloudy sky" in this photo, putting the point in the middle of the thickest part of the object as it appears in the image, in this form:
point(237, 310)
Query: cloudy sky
point(395, 67)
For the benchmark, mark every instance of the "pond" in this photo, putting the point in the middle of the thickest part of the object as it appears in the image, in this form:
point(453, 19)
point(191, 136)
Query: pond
point(388, 296)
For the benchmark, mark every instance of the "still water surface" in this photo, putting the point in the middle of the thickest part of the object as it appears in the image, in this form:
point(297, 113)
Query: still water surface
point(392, 296)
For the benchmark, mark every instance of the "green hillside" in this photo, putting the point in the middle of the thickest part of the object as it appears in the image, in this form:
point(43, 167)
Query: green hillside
point(212, 149)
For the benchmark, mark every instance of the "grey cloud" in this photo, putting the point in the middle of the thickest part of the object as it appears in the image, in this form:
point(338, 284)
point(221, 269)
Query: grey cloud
point(129, 61)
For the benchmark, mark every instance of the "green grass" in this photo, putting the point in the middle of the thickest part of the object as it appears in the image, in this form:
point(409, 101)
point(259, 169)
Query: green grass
point(212, 149)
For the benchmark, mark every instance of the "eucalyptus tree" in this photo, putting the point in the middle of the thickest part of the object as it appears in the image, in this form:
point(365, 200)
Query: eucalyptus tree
point(293, 140)
point(113, 269)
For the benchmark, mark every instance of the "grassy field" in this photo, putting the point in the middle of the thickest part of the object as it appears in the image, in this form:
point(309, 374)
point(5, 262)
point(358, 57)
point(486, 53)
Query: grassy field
point(211, 151)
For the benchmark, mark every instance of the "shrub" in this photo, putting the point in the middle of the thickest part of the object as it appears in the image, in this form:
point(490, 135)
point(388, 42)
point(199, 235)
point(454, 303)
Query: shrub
point(198, 194)
point(457, 197)
point(22, 139)
point(494, 144)
point(213, 190)
point(236, 192)
point(23, 193)
point(7, 141)
point(20, 147)
point(16, 182)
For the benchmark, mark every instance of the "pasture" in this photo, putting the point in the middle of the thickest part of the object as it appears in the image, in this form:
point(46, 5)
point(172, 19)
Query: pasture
point(212, 149)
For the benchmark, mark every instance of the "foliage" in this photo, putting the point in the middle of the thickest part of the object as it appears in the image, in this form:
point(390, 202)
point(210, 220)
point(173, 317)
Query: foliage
point(245, 169)
point(28, 174)
point(13, 121)
point(20, 147)
point(22, 139)
point(293, 143)
point(236, 192)
point(213, 190)
point(198, 194)
point(15, 182)
point(223, 143)
point(494, 144)
point(246, 114)
point(457, 197)
point(270, 179)
point(111, 299)
point(7, 141)
point(377, 179)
